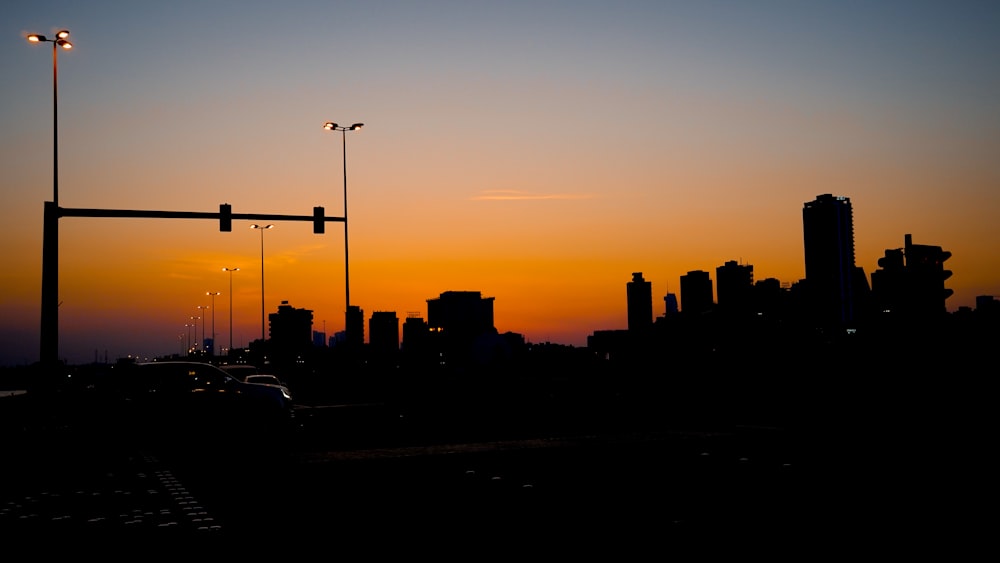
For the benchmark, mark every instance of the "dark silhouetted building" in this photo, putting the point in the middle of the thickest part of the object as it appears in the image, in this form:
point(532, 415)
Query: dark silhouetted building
point(734, 287)
point(828, 233)
point(319, 339)
point(458, 319)
point(696, 293)
point(383, 334)
point(290, 332)
point(639, 294)
point(909, 284)
point(354, 335)
point(670, 304)
point(418, 348)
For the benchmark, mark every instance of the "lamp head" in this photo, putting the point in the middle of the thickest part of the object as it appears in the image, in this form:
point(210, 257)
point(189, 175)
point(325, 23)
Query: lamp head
point(329, 126)
point(35, 38)
point(357, 126)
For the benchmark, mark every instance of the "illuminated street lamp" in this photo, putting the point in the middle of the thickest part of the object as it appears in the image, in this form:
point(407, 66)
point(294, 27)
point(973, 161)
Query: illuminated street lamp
point(49, 350)
point(331, 126)
point(58, 41)
point(262, 228)
point(230, 270)
point(188, 327)
point(213, 294)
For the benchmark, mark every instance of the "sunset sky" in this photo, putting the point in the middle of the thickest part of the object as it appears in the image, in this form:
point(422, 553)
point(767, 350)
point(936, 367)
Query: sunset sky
point(538, 152)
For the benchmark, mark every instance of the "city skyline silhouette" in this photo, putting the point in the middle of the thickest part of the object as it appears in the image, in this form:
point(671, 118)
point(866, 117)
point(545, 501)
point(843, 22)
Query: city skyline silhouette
point(539, 154)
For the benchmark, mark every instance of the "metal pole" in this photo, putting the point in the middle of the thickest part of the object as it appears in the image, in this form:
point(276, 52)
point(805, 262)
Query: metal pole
point(262, 338)
point(49, 350)
point(347, 262)
point(203, 349)
point(55, 124)
point(213, 294)
point(230, 312)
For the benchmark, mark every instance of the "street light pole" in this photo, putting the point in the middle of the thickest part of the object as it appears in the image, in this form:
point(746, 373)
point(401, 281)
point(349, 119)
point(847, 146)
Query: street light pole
point(49, 349)
point(203, 337)
point(262, 228)
point(230, 270)
point(195, 325)
point(188, 327)
point(58, 41)
point(213, 294)
point(331, 126)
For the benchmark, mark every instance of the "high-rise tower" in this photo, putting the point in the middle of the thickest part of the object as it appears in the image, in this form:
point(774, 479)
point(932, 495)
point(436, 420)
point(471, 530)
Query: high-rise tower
point(828, 232)
point(639, 294)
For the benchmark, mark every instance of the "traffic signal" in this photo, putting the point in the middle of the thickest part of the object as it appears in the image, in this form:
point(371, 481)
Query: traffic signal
point(225, 217)
point(319, 221)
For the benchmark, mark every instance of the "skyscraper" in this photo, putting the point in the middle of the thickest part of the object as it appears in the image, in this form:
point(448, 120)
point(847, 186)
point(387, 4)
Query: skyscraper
point(639, 294)
point(734, 287)
point(696, 293)
point(828, 233)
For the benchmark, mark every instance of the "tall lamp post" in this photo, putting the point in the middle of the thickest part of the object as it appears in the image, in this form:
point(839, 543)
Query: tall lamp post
point(188, 327)
point(49, 350)
point(195, 325)
point(262, 228)
point(213, 294)
point(230, 270)
point(204, 337)
point(331, 126)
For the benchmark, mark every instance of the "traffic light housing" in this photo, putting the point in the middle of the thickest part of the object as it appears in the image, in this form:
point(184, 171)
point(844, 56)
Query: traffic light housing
point(225, 217)
point(319, 221)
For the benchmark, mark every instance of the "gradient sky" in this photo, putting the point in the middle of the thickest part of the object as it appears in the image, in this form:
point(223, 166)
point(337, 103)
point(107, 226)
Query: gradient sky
point(538, 152)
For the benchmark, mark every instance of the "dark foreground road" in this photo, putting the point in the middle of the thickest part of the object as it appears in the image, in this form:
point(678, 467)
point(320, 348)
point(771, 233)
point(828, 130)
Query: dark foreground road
point(366, 480)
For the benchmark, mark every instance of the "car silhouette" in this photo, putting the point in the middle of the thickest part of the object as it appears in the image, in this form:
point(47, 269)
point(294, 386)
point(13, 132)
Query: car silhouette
point(191, 399)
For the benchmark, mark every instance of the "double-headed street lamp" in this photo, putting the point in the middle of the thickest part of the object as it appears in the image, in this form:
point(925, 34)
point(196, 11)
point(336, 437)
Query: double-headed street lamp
point(58, 41)
point(49, 350)
point(262, 228)
point(230, 270)
point(331, 126)
point(213, 294)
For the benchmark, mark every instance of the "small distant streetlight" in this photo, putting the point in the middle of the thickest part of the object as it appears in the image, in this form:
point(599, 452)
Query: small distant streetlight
point(195, 325)
point(230, 270)
point(204, 337)
point(262, 228)
point(213, 294)
point(331, 126)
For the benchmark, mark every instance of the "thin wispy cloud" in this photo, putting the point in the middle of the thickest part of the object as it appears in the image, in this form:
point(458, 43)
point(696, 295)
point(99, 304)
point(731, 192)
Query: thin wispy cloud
point(512, 195)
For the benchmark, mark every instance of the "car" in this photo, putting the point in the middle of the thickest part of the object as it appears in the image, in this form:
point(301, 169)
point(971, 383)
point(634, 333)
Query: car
point(240, 371)
point(267, 379)
point(177, 396)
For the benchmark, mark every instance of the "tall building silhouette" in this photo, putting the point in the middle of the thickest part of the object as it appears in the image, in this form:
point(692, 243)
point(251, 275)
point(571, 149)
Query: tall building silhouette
point(670, 304)
point(383, 333)
point(828, 234)
point(291, 332)
point(696, 293)
point(639, 294)
point(909, 285)
point(354, 335)
point(734, 287)
point(458, 320)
